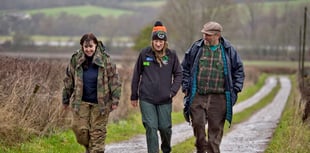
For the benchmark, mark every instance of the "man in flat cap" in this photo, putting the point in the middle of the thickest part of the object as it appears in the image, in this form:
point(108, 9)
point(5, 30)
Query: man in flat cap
point(213, 75)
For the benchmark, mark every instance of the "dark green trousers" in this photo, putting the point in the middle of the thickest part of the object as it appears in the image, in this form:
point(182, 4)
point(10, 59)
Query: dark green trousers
point(157, 118)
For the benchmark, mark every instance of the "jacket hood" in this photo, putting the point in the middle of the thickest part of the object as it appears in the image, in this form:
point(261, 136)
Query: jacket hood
point(99, 55)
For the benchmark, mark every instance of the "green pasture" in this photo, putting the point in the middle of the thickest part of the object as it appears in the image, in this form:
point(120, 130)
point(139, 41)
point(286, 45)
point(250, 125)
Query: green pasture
point(63, 38)
point(287, 64)
point(153, 3)
point(83, 11)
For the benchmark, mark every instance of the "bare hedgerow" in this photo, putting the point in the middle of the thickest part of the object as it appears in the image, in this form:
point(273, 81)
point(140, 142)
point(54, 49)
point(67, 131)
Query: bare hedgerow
point(30, 97)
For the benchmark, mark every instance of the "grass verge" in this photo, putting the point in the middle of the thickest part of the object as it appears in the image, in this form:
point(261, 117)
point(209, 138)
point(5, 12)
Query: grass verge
point(291, 135)
point(65, 142)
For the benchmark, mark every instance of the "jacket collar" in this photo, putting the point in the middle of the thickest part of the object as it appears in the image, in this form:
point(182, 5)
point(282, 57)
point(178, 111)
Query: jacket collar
point(225, 42)
point(98, 57)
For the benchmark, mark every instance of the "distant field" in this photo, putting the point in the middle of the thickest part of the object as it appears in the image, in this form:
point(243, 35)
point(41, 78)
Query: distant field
point(158, 3)
point(82, 11)
point(288, 64)
point(45, 38)
point(60, 38)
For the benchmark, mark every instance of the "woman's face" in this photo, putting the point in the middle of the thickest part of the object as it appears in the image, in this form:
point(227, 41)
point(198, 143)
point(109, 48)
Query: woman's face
point(158, 44)
point(89, 48)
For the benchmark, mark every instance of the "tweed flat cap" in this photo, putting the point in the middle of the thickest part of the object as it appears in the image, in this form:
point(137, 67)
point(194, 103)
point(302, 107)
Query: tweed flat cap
point(211, 28)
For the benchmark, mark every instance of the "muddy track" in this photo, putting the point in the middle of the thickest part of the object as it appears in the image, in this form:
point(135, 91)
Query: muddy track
point(183, 131)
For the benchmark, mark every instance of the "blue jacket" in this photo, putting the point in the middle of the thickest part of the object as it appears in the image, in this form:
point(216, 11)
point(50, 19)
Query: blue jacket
point(233, 80)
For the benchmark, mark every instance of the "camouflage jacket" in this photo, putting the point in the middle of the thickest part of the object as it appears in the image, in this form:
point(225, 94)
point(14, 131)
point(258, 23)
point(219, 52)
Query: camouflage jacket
point(108, 88)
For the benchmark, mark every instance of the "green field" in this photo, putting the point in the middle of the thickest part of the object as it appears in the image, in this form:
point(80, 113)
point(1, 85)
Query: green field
point(61, 38)
point(83, 11)
point(288, 64)
point(158, 3)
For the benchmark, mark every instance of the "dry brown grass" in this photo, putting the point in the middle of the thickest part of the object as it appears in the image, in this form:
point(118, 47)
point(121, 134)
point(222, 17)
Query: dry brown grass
point(30, 96)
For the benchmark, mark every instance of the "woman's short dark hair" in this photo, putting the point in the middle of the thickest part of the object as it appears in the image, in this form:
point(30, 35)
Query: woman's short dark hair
point(88, 37)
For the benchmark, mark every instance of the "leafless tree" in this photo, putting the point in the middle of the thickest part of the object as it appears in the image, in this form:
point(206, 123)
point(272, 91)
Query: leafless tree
point(185, 18)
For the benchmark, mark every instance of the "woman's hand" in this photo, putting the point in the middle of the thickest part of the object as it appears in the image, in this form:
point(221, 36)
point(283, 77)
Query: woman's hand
point(134, 103)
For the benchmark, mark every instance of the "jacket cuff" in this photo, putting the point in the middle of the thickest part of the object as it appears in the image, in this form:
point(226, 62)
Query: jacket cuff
point(133, 97)
point(115, 102)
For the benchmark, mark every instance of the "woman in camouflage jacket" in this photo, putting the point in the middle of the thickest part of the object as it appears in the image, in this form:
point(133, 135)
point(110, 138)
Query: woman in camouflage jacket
point(92, 87)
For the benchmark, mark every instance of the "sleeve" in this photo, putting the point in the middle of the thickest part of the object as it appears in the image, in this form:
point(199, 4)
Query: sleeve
point(136, 78)
point(237, 72)
point(114, 84)
point(186, 70)
point(68, 84)
point(177, 76)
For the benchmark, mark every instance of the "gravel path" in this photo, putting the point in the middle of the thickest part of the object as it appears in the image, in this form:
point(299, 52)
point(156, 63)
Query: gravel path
point(253, 135)
point(183, 131)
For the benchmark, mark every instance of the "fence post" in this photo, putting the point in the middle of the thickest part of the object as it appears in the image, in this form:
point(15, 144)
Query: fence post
point(303, 49)
point(299, 50)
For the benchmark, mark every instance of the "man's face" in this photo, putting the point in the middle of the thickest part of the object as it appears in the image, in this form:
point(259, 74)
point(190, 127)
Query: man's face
point(89, 48)
point(158, 44)
point(211, 39)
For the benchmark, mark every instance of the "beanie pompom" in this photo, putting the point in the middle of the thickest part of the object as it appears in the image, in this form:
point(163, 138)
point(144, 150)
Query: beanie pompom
point(158, 23)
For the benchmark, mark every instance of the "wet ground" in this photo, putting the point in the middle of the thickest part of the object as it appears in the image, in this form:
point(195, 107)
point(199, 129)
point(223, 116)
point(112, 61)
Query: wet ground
point(251, 136)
